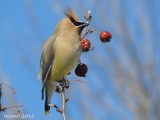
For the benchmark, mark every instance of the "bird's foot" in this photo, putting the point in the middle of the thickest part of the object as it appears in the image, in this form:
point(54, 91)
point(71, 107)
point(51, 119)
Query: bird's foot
point(62, 84)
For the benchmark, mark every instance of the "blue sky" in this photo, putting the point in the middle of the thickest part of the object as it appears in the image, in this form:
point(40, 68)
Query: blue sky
point(26, 25)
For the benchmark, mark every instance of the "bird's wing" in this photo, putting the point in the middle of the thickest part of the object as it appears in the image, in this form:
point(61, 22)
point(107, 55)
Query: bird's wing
point(47, 58)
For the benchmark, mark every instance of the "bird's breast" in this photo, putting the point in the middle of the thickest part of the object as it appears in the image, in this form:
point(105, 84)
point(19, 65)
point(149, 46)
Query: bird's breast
point(67, 54)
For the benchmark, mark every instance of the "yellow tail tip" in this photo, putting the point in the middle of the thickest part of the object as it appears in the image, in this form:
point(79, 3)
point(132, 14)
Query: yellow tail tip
point(47, 112)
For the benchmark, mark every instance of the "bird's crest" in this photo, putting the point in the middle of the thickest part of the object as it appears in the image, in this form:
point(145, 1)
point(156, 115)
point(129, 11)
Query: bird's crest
point(71, 14)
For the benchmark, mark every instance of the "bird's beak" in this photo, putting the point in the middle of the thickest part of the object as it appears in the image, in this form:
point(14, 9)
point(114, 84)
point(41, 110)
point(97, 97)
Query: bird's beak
point(84, 24)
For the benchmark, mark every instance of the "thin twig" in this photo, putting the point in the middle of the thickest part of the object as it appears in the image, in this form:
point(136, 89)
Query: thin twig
point(11, 107)
point(88, 18)
point(13, 91)
point(14, 106)
point(60, 89)
point(78, 81)
point(57, 108)
point(1, 98)
point(63, 104)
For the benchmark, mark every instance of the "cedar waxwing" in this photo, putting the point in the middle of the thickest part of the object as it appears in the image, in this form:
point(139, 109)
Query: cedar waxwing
point(60, 54)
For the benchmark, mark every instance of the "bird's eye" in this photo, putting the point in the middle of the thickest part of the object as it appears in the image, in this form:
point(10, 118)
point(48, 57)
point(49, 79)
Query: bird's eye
point(75, 22)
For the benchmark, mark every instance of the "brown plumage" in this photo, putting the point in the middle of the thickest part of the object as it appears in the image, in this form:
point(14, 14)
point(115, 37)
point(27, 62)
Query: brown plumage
point(60, 54)
point(71, 14)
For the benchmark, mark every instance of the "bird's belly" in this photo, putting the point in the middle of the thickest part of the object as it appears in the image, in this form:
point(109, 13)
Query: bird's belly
point(65, 61)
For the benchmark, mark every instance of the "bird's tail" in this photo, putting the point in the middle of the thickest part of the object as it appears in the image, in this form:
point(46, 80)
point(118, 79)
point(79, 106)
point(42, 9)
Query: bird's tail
point(49, 89)
point(47, 107)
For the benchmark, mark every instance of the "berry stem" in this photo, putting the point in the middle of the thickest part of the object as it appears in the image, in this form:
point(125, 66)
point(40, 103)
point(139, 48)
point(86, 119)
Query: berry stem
point(92, 48)
point(78, 81)
point(13, 91)
point(97, 30)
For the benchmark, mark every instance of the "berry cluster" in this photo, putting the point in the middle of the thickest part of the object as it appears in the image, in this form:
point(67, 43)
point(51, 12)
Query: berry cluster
point(105, 36)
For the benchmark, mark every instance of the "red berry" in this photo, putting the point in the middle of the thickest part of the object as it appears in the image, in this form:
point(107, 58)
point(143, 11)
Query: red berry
point(81, 70)
point(86, 45)
point(105, 36)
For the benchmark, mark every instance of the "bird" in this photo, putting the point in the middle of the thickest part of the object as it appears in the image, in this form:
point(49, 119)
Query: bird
point(60, 54)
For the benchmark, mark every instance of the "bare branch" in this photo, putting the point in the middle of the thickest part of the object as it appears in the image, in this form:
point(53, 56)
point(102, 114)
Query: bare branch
point(63, 104)
point(88, 18)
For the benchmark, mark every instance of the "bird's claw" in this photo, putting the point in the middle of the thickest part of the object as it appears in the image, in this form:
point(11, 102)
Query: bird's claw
point(62, 84)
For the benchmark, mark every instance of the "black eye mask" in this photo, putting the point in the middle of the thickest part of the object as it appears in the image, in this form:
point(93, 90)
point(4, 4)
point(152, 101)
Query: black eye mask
point(75, 22)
